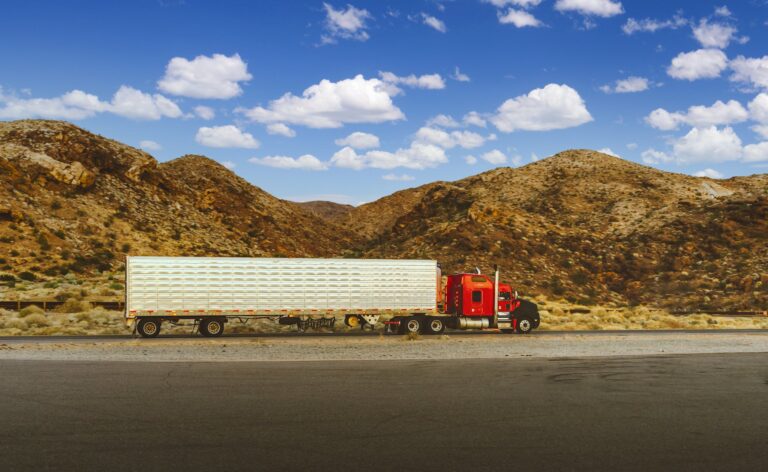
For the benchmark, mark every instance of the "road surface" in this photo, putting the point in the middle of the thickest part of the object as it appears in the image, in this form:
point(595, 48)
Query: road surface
point(691, 412)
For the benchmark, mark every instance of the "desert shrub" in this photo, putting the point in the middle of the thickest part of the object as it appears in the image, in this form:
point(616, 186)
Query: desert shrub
point(43, 242)
point(59, 234)
point(18, 323)
point(2, 260)
point(125, 248)
point(55, 205)
point(28, 276)
point(116, 286)
point(30, 310)
point(14, 253)
point(7, 278)
point(73, 305)
point(37, 320)
point(51, 284)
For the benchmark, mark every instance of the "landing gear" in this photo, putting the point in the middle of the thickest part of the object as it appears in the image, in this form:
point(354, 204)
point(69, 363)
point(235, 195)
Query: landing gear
point(148, 327)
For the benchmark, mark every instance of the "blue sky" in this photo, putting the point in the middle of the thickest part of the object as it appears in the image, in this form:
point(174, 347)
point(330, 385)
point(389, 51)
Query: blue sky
point(350, 101)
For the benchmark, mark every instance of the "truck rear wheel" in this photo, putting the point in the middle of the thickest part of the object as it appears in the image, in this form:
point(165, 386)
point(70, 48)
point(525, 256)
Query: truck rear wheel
point(212, 327)
point(148, 328)
point(412, 325)
point(435, 326)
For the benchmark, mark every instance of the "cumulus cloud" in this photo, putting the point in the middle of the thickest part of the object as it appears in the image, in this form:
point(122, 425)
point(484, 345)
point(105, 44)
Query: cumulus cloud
point(149, 145)
point(551, 107)
point(359, 140)
point(756, 152)
point(652, 156)
point(77, 105)
point(229, 165)
point(650, 25)
point(206, 113)
point(711, 173)
point(713, 35)
point(602, 8)
point(305, 162)
point(609, 151)
point(709, 144)
point(217, 76)
point(426, 81)
point(280, 129)
point(459, 76)
point(761, 130)
point(446, 140)
point(699, 64)
point(346, 23)
point(331, 105)
point(398, 177)
point(228, 136)
point(471, 160)
point(751, 71)
point(719, 113)
point(758, 108)
point(473, 118)
point(417, 156)
point(519, 3)
point(434, 23)
point(445, 121)
point(495, 157)
point(519, 18)
point(628, 85)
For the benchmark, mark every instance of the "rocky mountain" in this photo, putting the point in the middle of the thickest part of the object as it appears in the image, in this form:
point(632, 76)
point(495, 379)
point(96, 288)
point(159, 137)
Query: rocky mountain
point(580, 225)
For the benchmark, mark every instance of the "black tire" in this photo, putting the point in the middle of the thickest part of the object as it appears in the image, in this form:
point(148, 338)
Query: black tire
point(212, 327)
point(524, 326)
point(434, 326)
point(148, 327)
point(412, 324)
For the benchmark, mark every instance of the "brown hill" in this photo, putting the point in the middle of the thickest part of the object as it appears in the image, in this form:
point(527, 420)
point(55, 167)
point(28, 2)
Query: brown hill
point(580, 225)
point(74, 201)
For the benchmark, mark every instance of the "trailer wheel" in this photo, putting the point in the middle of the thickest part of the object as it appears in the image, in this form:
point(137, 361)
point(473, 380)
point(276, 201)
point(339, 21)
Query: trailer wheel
point(148, 328)
point(412, 324)
point(524, 326)
point(435, 326)
point(211, 327)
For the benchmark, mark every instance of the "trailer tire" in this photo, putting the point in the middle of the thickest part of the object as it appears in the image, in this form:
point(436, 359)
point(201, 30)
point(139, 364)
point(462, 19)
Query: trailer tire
point(212, 327)
point(434, 326)
point(412, 324)
point(524, 326)
point(148, 327)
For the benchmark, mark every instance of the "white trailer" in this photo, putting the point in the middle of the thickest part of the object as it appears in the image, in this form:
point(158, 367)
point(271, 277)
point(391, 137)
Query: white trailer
point(304, 292)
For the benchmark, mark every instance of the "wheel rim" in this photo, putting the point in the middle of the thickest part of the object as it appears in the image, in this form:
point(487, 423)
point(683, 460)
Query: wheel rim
point(214, 327)
point(436, 325)
point(150, 327)
point(524, 325)
point(412, 326)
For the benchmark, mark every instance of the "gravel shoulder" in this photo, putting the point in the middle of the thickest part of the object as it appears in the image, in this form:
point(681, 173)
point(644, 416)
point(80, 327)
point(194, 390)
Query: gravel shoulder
point(341, 347)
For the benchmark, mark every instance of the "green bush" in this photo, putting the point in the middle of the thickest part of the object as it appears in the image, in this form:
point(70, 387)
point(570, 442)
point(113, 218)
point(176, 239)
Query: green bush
point(37, 320)
point(28, 276)
point(116, 286)
point(73, 305)
point(30, 310)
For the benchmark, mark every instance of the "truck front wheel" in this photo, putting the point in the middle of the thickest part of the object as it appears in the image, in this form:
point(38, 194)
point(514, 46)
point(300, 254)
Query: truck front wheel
point(524, 326)
point(211, 327)
point(148, 328)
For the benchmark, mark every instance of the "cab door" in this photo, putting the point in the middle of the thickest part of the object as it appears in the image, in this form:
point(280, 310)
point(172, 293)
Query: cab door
point(474, 298)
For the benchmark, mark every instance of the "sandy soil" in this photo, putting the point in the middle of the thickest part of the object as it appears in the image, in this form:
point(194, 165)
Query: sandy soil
point(373, 347)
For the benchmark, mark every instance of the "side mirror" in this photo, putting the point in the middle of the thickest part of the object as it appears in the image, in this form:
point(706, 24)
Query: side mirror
point(516, 297)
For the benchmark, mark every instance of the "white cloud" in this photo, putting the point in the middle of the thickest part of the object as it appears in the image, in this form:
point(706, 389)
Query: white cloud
point(699, 64)
point(603, 8)
point(756, 152)
point(632, 146)
point(713, 35)
point(552, 107)
point(228, 136)
point(426, 81)
point(628, 85)
point(495, 157)
point(708, 145)
point(459, 76)
point(434, 23)
point(398, 177)
point(417, 156)
point(346, 23)
point(77, 105)
point(305, 162)
point(719, 113)
point(708, 172)
point(753, 71)
point(650, 25)
point(446, 140)
point(758, 108)
point(761, 130)
point(149, 145)
point(519, 3)
point(652, 156)
point(473, 118)
point(535, 157)
point(723, 11)
point(217, 76)
point(609, 151)
point(519, 18)
point(280, 129)
point(229, 165)
point(445, 121)
point(331, 105)
point(359, 140)
point(471, 160)
point(204, 112)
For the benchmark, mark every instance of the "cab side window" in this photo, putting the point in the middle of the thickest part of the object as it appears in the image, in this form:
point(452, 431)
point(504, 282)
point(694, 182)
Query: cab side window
point(477, 296)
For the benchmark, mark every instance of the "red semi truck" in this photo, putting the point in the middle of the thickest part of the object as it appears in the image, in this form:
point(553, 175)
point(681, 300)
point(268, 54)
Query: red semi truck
point(408, 296)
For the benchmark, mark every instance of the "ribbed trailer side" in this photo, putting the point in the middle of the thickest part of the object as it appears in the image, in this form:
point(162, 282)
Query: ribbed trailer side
point(275, 285)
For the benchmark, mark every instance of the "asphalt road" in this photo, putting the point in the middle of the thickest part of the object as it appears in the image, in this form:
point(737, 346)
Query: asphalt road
point(696, 412)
